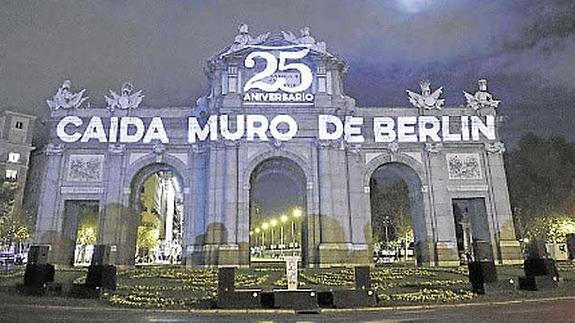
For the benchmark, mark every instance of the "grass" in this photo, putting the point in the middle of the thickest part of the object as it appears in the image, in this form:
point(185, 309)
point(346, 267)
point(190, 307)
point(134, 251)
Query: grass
point(178, 287)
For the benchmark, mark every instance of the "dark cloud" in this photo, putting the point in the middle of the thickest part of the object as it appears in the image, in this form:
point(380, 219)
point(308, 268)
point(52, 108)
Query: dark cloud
point(525, 48)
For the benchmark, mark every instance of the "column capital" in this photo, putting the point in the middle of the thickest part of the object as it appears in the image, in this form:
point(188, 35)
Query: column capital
point(52, 149)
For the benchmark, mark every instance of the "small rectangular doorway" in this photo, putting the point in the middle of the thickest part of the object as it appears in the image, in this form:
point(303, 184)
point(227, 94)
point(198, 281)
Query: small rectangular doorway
point(81, 225)
point(472, 230)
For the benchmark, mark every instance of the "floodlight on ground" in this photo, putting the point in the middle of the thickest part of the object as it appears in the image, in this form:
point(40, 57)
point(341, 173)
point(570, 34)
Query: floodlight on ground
point(265, 225)
point(273, 222)
point(284, 218)
point(258, 230)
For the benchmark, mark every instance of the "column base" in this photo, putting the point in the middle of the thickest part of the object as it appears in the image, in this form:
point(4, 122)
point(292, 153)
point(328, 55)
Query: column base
point(217, 255)
point(510, 252)
point(446, 254)
point(343, 255)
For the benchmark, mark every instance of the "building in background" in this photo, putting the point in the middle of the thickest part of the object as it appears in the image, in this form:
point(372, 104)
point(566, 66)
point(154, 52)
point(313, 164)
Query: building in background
point(16, 130)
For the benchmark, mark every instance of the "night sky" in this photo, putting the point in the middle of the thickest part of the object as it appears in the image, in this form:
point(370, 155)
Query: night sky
point(526, 49)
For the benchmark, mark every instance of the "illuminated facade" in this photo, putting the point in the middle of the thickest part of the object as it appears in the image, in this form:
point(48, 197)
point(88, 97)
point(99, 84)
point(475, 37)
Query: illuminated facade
point(450, 158)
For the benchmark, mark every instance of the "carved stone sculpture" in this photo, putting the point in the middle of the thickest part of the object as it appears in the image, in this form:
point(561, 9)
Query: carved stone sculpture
point(426, 100)
point(495, 147)
point(243, 39)
point(482, 98)
point(306, 39)
point(126, 100)
point(65, 99)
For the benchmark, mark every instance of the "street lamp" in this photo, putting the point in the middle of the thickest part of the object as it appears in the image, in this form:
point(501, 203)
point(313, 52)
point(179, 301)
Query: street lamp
point(273, 223)
point(297, 213)
point(283, 219)
point(257, 231)
point(265, 226)
point(386, 226)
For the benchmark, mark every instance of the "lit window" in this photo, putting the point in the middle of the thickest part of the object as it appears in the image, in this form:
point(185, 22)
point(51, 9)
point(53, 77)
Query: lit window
point(19, 125)
point(13, 157)
point(11, 173)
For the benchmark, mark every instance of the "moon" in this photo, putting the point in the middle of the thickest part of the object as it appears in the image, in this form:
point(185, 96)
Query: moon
point(415, 6)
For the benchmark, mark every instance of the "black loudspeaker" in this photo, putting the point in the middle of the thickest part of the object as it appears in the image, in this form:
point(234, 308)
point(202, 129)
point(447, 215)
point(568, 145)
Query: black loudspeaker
point(526, 283)
point(38, 255)
point(571, 245)
point(540, 267)
point(325, 299)
point(536, 249)
point(226, 279)
point(486, 269)
point(101, 277)
point(536, 282)
point(483, 251)
point(299, 300)
point(38, 275)
point(267, 299)
point(362, 279)
point(245, 298)
point(476, 277)
point(101, 255)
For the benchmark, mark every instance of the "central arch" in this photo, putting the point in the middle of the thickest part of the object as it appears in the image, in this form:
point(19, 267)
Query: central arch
point(277, 202)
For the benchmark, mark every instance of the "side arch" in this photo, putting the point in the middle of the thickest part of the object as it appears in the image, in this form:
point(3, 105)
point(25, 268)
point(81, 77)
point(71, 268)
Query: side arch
point(136, 175)
point(164, 162)
point(380, 160)
point(413, 174)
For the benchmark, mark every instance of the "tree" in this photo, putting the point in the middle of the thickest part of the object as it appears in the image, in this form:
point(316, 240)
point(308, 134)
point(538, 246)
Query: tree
point(552, 228)
point(7, 194)
point(13, 225)
point(14, 229)
point(541, 178)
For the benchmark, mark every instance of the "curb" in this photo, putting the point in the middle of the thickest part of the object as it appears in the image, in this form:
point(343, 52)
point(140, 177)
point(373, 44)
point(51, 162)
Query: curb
point(291, 311)
point(439, 306)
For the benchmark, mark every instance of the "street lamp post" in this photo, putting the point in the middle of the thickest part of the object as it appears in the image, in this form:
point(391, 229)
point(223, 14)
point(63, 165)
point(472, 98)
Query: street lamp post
point(283, 219)
point(265, 226)
point(273, 223)
point(386, 225)
point(297, 213)
point(257, 231)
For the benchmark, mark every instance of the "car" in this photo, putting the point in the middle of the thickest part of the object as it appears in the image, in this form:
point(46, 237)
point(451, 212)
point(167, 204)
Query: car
point(7, 258)
point(385, 257)
point(21, 258)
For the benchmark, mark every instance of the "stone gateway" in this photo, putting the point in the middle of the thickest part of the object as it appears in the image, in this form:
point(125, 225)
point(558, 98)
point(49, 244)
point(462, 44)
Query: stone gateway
point(276, 101)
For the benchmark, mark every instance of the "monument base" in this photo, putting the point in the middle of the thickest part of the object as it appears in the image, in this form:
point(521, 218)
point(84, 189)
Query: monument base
point(298, 299)
point(347, 298)
point(245, 298)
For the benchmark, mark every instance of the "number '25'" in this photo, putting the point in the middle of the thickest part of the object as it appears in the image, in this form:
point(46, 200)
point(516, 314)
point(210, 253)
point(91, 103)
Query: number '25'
point(279, 64)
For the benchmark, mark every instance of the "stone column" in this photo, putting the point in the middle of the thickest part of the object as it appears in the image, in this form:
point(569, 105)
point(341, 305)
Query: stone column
point(441, 209)
point(359, 217)
point(50, 210)
point(195, 220)
point(334, 204)
point(115, 214)
point(229, 249)
point(508, 250)
point(215, 232)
